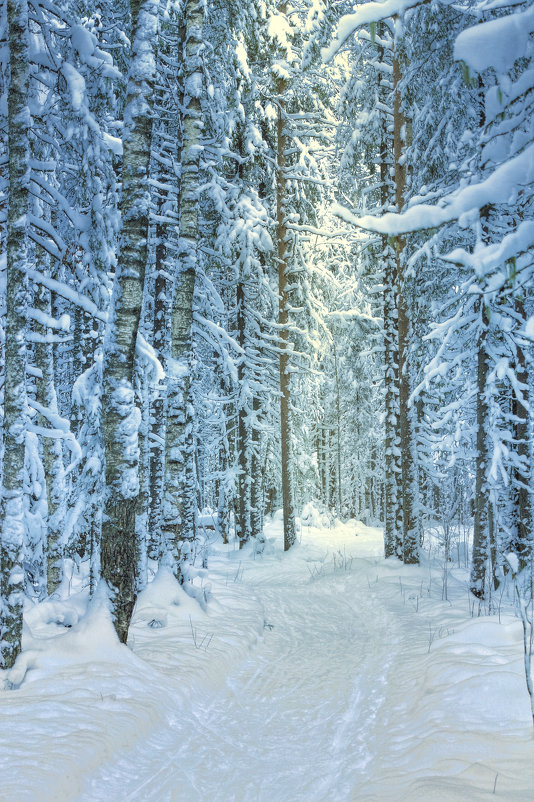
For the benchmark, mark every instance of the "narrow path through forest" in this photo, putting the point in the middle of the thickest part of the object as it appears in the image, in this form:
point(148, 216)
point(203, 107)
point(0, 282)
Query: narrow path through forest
point(297, 717)
point(327, 674)
point(324, 674)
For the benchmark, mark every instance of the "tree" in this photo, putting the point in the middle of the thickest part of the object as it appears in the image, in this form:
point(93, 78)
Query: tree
point(121, 416)
point(15, 402)
point(180, 500)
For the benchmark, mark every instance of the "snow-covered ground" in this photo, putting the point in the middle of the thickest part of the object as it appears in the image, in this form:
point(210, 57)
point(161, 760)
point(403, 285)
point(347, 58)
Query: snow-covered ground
point(322, 674)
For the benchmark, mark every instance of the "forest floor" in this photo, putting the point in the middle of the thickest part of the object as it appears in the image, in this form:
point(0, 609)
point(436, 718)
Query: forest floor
point(324, 674)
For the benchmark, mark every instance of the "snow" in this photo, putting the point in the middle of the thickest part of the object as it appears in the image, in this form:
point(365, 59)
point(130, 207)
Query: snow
point(60, 324)
point(113, 143)
point(279, 30)
point(76, 85)
point(513, 560)
point(486, 258)
point(499, 187)
point(323, 673)
point(193, 85)
point(366, 13)
point(67, 292)
point(497, 43)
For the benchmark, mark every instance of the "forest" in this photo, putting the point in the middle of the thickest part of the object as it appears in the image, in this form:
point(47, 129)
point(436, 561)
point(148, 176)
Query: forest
point(263, 256)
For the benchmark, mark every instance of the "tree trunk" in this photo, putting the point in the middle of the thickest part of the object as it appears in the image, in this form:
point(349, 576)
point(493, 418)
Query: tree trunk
point(166, 153)
point(480, 523)
point(242, 519)
point(54, 469)
point(180, 476)
point(522, 499)
point(410, 545)
point(392, 470)
point(339, 496)
point(15, 404)
point(257, 490)
point(160, 337)
point(121, 416)
point(290, 534)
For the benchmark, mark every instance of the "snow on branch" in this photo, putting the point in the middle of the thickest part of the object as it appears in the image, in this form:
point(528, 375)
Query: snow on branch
point(206, 326)
point(146, 354)
point(369, 12)
point(66, 292)
point(499, 187)
point(61, 430)
point(80, 221)
point(497, 43)
point(49, 322)
point(489, 257)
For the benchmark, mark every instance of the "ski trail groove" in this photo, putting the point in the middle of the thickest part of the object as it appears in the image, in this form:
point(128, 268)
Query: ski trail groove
point(294, 720)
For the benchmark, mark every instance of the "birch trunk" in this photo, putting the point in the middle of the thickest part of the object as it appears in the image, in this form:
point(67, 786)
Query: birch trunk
point(15, 403)
point(242, 518)
point(522, 472)
point(166, 155)
point(160, 336)
point(282, 85)
point(257, 481)
point(180, 476)
point(339, 491)
point(290, 534)
point(121, 416)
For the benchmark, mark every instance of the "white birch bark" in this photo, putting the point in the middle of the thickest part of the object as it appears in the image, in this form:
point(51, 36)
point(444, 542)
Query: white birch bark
point(121, 416)
point(180, 483)
point(15, 403)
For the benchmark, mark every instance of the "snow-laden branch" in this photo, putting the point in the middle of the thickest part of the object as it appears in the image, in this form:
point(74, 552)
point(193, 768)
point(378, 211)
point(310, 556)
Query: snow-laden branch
point(61, 430)
point(147, 355)
point(488, 257)
point(499, 187)
point(369, 12)
point(207, 327)
point(66, 292)
point(497, 43)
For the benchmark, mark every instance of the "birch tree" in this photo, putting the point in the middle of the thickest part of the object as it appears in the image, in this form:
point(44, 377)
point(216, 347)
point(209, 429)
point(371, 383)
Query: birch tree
point(15, 402)
point(121, 415)
point(180, 511)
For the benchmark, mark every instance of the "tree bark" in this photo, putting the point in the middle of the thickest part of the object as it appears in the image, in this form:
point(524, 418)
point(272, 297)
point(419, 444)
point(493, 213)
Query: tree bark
point(242, 518)
point(290, 534)
point(180, 476)
point(480, 523)
point(392, 469)
point(522, 499)
point(410, 545)
point(339, 495)
point(121, 416)
point(15, 403)
point(54, 469)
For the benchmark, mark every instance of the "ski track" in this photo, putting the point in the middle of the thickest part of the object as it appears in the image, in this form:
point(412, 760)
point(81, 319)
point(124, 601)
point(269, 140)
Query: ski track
point(324, 674)
point(292, 721)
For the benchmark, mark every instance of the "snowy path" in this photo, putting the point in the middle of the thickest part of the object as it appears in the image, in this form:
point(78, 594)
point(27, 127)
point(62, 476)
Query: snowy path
point(287, 719)
point(295, 719)
point(322, 675)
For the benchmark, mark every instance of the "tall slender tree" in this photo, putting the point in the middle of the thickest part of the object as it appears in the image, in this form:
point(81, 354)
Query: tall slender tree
point(121, 415)
point(180, 513)
point(15, 402)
